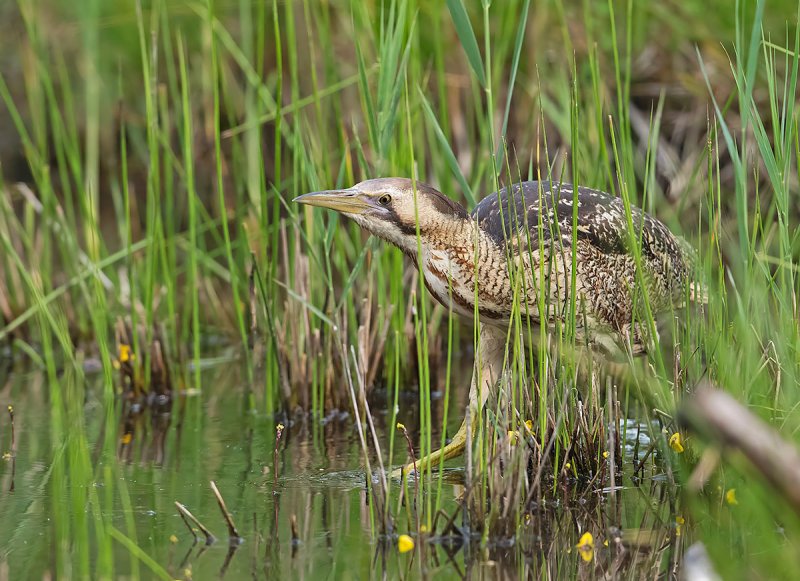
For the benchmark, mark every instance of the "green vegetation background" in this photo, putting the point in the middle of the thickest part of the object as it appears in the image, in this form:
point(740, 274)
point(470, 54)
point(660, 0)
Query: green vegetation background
point(148, 153)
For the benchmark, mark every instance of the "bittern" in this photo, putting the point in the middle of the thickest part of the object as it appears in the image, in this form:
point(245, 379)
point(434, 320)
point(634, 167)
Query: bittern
point(516, 247)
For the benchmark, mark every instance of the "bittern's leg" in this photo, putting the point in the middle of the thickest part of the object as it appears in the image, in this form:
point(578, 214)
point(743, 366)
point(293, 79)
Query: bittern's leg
point(485, 375)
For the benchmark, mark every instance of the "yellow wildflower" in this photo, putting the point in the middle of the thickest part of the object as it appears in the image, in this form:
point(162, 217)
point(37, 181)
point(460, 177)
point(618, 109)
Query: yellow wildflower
point(126, 438)
point(675, 442)
point(529, 425)
point(173, 539)
point(605, 454)
point(679, 520)
point(586, 546)
point(400, 426)
point(730, 496)
point(126, 353)
point(405, 543)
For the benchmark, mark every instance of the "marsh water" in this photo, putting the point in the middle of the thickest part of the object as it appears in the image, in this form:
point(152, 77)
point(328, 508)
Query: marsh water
point(167, 451)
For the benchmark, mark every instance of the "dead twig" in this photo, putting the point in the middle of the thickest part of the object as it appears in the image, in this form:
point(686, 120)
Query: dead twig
point(232, 532)
point(188, 516)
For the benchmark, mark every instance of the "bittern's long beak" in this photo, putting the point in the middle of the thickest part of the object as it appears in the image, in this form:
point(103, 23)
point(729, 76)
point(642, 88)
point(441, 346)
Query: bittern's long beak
point(350, 201)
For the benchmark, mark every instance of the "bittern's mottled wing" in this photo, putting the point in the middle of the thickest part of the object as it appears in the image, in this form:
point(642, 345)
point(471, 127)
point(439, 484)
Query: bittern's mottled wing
point(518, 215)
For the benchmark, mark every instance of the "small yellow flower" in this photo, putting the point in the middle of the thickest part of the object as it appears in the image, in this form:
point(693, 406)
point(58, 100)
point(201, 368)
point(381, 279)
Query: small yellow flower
point(586, 546)
point(529, 425)
point(281, 427)
point(605, 454)
point(126, 353)
point(605, 543)
point(405, 543)
point(423, 528)
point(126, 438)
point(400, 426)
point(567, 465)
point(679, 520)
point(512, 437)
point(675, 442)
point(11, 409)
point(730, 496)
point(173, 539)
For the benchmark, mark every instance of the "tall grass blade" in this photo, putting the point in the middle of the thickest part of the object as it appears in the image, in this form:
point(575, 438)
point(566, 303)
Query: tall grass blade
point(446, 149)
point(467, 37)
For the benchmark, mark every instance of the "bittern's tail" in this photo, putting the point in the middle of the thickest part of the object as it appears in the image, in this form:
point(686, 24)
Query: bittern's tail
point(698, 293)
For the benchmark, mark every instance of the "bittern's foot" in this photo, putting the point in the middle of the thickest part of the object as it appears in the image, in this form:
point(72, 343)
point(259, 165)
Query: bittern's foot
point(452, 450)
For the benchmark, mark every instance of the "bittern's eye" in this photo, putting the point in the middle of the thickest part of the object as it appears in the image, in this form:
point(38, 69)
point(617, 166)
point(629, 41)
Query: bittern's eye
point(384, 200)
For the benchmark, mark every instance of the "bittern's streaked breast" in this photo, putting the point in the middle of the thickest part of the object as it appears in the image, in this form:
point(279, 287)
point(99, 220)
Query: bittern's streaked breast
point(517, 245)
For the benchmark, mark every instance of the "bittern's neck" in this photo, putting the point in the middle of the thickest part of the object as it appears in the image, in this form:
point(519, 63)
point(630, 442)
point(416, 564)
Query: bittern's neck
point(452, 258)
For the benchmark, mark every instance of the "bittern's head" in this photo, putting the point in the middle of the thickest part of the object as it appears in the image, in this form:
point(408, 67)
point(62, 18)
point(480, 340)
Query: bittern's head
point(390, 208)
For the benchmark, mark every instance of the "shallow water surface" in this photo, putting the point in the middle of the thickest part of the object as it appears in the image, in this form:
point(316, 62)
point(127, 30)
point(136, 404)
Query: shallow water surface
point(63, 480)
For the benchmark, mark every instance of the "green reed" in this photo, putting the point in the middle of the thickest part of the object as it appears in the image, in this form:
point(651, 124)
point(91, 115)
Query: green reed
point(162, 175)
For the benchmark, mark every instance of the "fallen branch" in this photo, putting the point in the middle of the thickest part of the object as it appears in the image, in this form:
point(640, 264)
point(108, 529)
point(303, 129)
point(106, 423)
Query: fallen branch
point(720, 417)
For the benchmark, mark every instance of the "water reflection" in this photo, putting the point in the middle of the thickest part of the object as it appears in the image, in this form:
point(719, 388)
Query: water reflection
point(143, 430)
point(317, 522)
